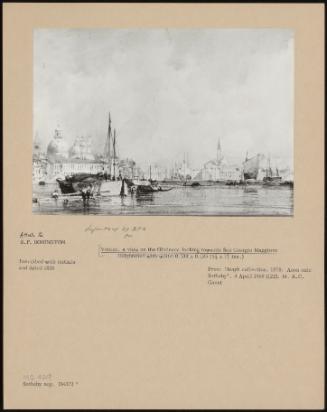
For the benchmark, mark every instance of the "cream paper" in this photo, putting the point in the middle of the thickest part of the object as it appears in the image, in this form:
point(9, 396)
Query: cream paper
point(145, 328)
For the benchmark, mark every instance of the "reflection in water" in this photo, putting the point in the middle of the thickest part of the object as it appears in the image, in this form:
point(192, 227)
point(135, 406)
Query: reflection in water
point(144, 198)
point(250, 198)
point(250, 189)
point(201, 200)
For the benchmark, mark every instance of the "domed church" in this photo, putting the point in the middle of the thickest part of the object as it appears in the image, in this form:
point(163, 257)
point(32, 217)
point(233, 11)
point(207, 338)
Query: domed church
point(57, 148)
point(81, 149)
point(63, 161)
point(218, 169)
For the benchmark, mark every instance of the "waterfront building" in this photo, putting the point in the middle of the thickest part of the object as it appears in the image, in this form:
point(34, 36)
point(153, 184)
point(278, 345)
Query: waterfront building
point(64, 161)
point(57, 148)
point(128, 168)
point(39, 163)
point(81, 149)
point(219, 169)
point(181, 170)
point(66, 167)
point(60, 160)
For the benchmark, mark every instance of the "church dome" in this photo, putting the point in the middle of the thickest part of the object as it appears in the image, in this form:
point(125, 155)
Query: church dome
point(81, 149)
point(75, 152)
point(57, 148)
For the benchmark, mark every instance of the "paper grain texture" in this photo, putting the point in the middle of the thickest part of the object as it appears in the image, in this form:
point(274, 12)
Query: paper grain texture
point(108, 332)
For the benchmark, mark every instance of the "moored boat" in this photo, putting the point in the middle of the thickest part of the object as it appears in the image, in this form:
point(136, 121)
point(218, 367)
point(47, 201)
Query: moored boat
point(195, 184)
point(105, 183)
point(78, 181)
point(289, 183)
point(272, 179)
point(112, 188)
point(144, 187)
point(250, 170)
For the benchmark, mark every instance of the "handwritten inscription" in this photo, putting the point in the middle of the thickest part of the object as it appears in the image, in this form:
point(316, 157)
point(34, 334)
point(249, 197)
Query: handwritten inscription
point(46, 381)
point(125, 231)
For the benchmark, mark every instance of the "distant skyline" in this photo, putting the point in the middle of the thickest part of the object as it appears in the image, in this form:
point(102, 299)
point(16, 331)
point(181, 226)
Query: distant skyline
point(169, 91)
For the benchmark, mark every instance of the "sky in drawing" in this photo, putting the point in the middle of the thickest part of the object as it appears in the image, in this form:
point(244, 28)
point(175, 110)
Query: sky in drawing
point(169, 91)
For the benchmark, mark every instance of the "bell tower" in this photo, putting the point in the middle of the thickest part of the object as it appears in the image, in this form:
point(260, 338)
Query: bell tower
point(219, 153)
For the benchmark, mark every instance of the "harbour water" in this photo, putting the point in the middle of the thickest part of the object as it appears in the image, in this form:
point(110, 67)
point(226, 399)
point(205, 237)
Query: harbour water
point(214, 200)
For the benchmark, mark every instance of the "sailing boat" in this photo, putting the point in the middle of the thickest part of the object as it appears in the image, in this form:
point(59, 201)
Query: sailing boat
point(143, 187)
point(97, 183)
point(272, 179)
point(187, 179)
point(251, 168)
point(110, 185)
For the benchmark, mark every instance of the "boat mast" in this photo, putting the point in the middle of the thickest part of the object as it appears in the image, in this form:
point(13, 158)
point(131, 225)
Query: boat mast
point(184, 166)
point(109, 145)
point(114, 149)
point(243, 171)
point(268, 166)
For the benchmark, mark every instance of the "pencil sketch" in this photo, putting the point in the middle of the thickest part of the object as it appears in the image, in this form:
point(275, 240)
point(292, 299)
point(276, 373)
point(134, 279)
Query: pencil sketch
point(163, 122)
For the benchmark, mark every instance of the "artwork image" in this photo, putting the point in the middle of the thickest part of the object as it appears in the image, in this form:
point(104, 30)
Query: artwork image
point(195, 122)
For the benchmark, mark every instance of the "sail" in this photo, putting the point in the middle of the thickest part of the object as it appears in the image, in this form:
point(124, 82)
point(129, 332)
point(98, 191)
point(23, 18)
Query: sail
point(251, 167)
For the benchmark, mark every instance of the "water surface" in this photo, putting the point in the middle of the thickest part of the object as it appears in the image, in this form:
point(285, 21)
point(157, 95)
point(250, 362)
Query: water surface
point(217, 200)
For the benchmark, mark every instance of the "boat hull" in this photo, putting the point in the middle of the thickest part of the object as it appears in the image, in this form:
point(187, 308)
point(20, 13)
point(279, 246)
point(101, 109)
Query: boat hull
point(272, 181)
point(112, 188)
point(66, 187)
point(94, 184)
point(250, 182)
point(90, 184)
point(145, 189)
